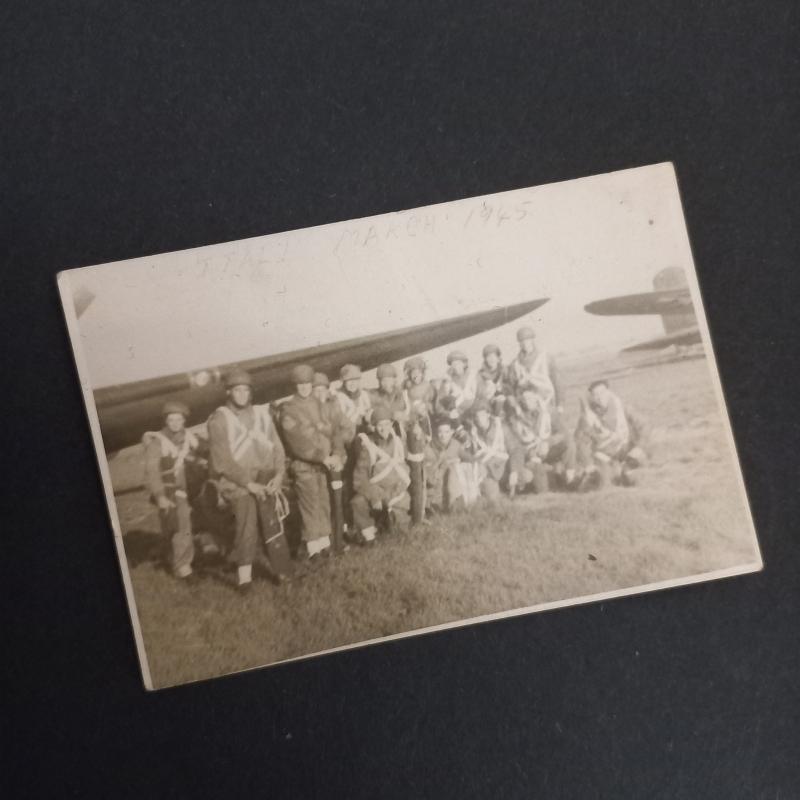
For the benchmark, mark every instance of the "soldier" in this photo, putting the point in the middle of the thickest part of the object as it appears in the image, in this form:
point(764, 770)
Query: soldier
point(380, 479)
point(354, 402)
point(167, 453)
point(610, 437)
point(458, 389)
point(331, 409)
point(420, 394)
point(344, 431)
point(491, 385)
point(488, 444)
point(542, 441)
point(420, 399)
point(449, 477)
point(389, 395)
point(248, 463)
point(314, 448)
point(534, 368)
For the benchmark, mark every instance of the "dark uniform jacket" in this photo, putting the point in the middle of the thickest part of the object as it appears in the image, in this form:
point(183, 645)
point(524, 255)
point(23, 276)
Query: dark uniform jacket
point(308, 430)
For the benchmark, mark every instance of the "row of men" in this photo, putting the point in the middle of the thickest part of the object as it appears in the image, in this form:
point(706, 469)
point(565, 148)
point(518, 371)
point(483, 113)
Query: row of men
point(382, 455)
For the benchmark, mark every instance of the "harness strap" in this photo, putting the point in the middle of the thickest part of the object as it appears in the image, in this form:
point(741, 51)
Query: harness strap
point(384, 462)
point(240, 437)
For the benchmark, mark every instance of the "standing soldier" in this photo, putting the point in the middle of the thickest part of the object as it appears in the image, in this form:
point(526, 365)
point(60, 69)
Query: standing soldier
point(420, 394)
point(354, 402)
point(488, 444)
point(166, 454)
point(390, 396)
point(248, 463)
point(343, 431)
point(541, 441)
point(491, 379)
point(380, 479)
point(609, 434)
point(449, 477)
point(458, 389)
point(534, 368)
point(314, 448)
point(420, 399)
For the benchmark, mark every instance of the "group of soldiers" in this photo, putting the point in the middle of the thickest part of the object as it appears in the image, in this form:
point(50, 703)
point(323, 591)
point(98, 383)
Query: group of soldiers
point(350, 462)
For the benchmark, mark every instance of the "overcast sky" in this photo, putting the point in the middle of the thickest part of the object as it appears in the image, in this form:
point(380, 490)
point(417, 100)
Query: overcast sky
point(574, 242)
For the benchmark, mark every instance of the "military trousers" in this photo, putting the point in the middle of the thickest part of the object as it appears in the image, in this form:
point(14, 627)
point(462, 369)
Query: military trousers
point(313, 499)
point(176, 524)
point(252, 517)
point(366, 517)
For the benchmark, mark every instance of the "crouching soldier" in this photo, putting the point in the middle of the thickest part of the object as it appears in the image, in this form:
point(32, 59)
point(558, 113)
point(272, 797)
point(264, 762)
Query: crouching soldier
point(380, 479)
point(167, 453)
point(248, 463)
point(315, 447)
point(542, 441)
point(610, 438)
point(449, 478)
point(488, 444)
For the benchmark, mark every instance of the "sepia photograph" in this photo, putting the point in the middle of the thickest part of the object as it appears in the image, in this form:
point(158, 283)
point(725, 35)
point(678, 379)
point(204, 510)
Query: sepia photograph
point(382, 427)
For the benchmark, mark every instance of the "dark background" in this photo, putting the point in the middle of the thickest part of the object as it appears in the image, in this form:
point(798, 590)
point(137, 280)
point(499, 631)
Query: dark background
point(134, 128)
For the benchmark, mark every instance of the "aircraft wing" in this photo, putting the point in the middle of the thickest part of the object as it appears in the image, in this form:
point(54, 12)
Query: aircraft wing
point(126, 411)
point(665, 302)
point(682, 336)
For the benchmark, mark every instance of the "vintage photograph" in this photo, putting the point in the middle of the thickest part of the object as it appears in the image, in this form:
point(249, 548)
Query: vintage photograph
point(375, 428)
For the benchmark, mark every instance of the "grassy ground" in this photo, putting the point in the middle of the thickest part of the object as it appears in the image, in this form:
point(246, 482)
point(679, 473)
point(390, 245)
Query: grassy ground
point(685, 517)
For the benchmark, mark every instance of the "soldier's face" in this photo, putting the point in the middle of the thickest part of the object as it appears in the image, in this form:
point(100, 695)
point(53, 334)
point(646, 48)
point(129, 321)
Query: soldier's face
point(416, 376)
point(304, 389)
point(321, 393)
point(492, 360)
point(444, 433)
point(482, 419)
point(353, 385)
point(599, 395)
point(527, 345)
point(387, 384)
point(240, 395)
point(458, 367)
point(175, 422)
point(384, 428)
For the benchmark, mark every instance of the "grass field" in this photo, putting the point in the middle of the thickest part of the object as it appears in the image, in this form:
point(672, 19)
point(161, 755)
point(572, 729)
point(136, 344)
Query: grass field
point(686, 517)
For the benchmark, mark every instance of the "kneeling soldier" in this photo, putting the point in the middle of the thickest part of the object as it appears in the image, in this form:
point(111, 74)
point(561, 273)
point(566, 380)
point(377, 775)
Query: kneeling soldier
point(315, 447)
point(248, 462)
point(542, 441)
point(166, 454)
point(609, 435)
point(488, 444)
point(449, 477)
point(380, 478)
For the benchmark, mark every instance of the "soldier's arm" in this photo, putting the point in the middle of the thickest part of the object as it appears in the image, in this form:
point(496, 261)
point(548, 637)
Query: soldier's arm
point(637, 426)
point(361, 484)
point(555, 379)
point(280, 452)
point(303, 440)
point(152, 468)
point(339, 433)
point(222, 461)
point(516, 452)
